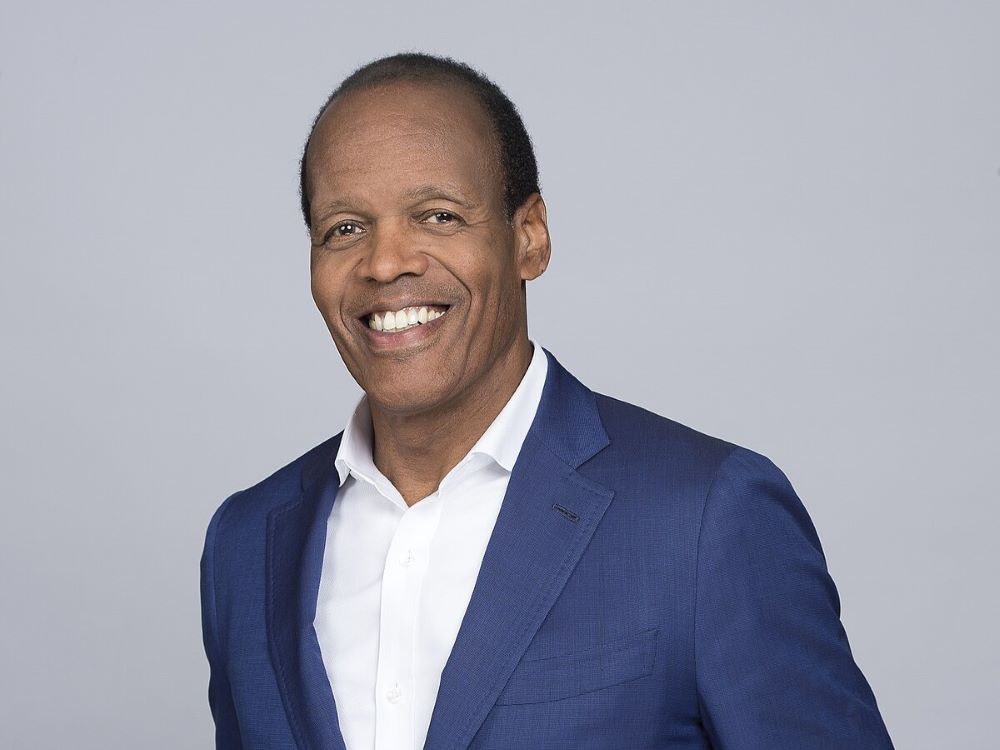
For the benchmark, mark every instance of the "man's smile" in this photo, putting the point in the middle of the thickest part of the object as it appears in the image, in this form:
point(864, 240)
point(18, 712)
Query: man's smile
point(404, 318)
point(386, 329)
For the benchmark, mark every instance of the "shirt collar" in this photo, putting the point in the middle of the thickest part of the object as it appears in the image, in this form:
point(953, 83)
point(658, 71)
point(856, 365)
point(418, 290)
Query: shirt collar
point(502, 440)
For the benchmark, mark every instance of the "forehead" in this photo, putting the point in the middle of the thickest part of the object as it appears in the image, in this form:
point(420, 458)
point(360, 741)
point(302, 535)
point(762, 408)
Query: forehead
point(397, 135)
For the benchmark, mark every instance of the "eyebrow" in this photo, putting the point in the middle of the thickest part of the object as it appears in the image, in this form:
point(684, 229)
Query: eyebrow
point(445, 191)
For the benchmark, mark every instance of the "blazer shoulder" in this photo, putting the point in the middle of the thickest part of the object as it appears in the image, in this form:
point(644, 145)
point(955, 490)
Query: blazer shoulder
point(649, 450)
point(284, 485)
point(639, 431)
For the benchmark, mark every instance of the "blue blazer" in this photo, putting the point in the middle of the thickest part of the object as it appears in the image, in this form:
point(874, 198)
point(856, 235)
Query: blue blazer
point(646, 586)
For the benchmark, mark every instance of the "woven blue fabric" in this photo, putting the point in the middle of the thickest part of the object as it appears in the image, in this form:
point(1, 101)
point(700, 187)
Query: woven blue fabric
point(646, 586)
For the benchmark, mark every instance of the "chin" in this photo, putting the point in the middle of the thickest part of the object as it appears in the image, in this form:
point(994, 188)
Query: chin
point(405, 401)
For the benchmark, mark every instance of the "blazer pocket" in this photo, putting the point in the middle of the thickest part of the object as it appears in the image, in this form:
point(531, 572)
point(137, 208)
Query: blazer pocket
point(557, 677)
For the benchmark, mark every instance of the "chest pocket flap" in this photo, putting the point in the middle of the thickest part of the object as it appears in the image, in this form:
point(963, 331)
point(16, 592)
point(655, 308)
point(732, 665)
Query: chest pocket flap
point(556, 677)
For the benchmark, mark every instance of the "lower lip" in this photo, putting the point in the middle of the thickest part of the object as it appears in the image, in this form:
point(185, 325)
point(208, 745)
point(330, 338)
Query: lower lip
point(390, 340)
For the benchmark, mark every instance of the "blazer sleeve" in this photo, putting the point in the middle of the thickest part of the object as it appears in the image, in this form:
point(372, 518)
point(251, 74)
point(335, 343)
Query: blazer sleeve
point(773, 664)
point(220, 698)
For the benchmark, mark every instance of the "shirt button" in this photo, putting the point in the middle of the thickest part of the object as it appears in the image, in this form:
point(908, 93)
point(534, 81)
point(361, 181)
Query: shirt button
point(407, 559)
point(394, 694)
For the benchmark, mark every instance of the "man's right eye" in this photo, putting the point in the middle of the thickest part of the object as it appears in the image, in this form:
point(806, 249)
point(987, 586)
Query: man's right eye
point(345, 229)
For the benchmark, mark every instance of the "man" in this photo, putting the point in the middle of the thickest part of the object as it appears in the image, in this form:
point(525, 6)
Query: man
point(491, 555)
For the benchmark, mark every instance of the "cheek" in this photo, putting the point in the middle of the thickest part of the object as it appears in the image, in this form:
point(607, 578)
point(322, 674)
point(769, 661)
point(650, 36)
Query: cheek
point(497, 309)
point(326, 287)
point(497, 277)
point(325, 277)
point(319, 293)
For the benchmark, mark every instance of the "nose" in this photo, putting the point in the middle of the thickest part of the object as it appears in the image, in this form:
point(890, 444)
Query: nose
point(392, 253)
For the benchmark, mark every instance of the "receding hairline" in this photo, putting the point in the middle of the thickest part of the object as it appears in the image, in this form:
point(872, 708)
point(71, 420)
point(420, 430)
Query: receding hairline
point(439, 80)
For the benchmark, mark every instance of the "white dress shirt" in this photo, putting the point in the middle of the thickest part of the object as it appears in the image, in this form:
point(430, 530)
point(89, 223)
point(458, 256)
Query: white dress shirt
point(397, 580)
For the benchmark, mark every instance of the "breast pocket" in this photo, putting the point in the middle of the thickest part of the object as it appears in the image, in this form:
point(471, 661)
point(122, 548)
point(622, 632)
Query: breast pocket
point(557, 677)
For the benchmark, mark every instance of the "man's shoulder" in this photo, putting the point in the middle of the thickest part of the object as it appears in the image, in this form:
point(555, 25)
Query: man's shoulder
point(281, 487)
point(647, 450)
point(635, 430)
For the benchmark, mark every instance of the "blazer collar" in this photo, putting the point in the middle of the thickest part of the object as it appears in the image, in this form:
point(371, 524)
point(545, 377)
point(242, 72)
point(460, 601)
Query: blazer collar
point(547, 517)
point(296, 536)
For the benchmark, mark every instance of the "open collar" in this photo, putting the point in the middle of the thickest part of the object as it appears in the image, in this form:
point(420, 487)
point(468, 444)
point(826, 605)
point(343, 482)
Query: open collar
point(501, 441)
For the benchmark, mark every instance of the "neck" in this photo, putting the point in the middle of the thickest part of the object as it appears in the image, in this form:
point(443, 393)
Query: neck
point(416, 451)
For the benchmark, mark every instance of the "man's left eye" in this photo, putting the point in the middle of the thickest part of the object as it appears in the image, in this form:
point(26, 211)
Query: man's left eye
point(442, 217)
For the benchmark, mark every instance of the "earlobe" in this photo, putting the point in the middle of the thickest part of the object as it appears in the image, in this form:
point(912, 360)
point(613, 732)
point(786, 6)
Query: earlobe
point(532, 231)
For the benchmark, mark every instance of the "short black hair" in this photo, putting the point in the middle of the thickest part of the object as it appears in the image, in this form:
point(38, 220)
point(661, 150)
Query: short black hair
point(518, 168)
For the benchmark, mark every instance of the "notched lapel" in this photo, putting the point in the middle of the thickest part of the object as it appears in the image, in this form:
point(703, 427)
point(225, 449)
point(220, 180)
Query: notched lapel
point(296, 535)
point(534, 548)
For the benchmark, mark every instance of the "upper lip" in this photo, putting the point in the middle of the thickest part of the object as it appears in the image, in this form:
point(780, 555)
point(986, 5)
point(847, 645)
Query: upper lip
point(400, 304)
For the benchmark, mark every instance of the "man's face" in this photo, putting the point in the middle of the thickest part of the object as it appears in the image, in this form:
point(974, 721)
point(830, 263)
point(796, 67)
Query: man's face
point(407, 213)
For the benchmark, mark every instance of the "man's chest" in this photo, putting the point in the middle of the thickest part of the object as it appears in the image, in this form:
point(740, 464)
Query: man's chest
point(395, 586)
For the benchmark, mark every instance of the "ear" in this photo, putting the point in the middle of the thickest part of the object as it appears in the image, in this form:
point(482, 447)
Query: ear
point(531, 237)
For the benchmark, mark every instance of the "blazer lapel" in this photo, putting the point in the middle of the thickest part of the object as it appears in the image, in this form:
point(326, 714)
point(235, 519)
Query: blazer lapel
point(548, 516)
point(296, 536)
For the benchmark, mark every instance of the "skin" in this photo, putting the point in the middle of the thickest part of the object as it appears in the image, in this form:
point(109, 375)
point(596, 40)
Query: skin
point(379, 243)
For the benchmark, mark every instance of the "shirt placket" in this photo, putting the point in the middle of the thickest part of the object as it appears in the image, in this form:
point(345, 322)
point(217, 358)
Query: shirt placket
point(402, 579)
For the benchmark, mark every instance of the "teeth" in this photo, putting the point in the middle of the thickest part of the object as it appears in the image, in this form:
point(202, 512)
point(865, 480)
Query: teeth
point(401, 320)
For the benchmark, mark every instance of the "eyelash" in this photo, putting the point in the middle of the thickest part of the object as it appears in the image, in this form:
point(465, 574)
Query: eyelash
point(454, 218)
point(446, 213)
point(332, 233)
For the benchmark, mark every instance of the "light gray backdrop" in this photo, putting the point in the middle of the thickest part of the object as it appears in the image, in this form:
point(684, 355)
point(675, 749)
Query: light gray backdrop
point(775, 222)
